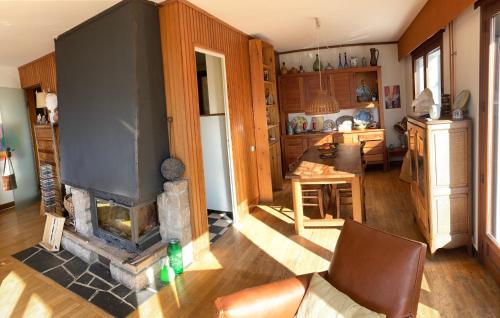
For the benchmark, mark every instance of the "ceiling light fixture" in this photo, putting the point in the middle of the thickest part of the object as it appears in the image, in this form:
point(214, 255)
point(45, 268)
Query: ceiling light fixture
point(323, 102)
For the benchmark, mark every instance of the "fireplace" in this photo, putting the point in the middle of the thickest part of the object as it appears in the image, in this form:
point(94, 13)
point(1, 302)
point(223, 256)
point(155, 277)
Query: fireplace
point(134, 228)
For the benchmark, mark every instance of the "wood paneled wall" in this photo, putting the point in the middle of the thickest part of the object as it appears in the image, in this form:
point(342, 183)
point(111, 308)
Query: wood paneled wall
point(184, 27)
point(435, 15)
point(41, 72)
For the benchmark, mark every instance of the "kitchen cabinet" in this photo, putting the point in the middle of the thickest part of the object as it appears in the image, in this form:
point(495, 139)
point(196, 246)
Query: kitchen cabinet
point(292, 94)
point(440, 153)
point(341, 88)
point(298, 90)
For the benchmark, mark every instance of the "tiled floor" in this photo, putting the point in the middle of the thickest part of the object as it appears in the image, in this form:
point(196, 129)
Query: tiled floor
point(218, 223)
point(92, 282)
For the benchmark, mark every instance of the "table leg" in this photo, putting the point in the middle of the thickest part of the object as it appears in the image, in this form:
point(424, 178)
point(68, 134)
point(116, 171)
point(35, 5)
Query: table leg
point(297, 206)
point(357, 192)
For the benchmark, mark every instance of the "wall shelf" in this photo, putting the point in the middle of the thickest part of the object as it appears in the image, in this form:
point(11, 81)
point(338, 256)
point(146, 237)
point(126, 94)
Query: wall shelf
point(262, 60)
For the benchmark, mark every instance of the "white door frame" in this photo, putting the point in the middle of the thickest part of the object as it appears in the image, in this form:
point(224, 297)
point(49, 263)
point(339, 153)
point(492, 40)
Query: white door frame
point(234, 202)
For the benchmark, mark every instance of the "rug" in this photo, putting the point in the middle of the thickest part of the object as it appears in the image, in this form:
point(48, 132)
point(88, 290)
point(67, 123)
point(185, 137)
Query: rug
point(92, 282)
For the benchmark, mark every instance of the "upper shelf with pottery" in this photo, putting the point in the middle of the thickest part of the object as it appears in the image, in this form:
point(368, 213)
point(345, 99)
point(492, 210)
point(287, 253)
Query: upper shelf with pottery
point(357, 87)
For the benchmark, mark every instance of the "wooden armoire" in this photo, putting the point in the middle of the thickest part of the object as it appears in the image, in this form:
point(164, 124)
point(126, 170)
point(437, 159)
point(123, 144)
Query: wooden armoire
point(441, 180)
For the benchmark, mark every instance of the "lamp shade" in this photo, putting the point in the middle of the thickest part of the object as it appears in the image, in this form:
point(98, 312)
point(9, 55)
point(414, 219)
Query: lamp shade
point(40, 99)
point(323, 103)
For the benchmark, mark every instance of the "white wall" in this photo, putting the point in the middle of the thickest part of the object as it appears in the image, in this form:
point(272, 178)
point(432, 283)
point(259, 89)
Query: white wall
point(9, 77)
point(467, 46)
point(393, 73)
point(215, 162)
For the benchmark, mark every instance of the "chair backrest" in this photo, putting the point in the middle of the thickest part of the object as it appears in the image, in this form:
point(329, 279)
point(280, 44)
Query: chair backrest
point(380, 271)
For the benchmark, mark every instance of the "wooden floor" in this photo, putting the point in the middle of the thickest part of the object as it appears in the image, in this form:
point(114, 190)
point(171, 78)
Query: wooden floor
point(264, 249)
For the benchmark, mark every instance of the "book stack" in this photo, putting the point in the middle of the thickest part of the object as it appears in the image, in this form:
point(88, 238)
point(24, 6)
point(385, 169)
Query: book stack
point(47, 185)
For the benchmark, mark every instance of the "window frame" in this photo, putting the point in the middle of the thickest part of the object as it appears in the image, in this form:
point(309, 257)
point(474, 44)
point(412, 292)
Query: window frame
point(434, 42)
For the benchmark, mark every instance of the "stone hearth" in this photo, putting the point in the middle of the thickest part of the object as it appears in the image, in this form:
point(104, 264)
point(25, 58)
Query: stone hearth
point(134, 270)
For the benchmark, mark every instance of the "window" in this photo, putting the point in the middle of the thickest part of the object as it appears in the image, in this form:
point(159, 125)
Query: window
point(427, 66)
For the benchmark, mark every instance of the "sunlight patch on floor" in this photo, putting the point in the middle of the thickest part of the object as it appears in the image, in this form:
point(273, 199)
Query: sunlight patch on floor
point(425, 284)
point(281, 248)
point(426, 311)
point(11, 289)
point(36, 307)
point(282, 213)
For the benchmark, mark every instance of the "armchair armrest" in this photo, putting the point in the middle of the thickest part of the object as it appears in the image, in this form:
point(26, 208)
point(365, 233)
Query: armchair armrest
point(276, 300)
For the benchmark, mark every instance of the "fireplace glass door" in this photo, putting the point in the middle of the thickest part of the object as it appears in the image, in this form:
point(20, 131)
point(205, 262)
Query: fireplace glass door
point(114, 218)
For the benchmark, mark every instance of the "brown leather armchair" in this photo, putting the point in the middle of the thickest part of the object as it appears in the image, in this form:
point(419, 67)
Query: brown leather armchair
point(378, 270)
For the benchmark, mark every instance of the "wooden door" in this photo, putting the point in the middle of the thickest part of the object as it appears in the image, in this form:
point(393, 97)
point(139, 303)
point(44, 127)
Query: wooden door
point(291, 94)
point(312, 87)
point(341, 88)
point(319, 140)
point(489, 136)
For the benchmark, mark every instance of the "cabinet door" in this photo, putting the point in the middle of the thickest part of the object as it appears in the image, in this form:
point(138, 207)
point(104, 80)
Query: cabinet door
point(341, 88)
point(312, 87)
point(412, 145)
point(294, 148)
point(421, 164)
point(292, 94)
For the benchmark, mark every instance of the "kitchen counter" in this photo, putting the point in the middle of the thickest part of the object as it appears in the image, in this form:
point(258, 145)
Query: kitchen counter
point(293, 146)
point(320, 133)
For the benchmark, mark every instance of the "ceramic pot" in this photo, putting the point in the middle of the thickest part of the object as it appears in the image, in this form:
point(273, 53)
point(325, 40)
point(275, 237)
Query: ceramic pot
point(435, 111)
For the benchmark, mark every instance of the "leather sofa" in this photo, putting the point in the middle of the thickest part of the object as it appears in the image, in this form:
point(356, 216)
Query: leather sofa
point(378, 270)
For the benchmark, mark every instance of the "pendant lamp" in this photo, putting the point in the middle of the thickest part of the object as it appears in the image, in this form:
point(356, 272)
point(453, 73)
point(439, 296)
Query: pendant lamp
point(323, 102)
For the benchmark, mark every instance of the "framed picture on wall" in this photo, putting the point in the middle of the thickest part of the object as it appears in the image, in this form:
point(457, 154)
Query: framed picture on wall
point(392, 97)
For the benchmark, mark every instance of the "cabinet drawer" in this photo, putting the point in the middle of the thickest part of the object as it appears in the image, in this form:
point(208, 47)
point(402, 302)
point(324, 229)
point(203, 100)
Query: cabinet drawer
point(46, 156)
point(343, 139)
point(373, 151)
point(318, 141)
point(374, 144)
point(45, 145)
point(376, 158)
point(373, 136)
point(43, 133)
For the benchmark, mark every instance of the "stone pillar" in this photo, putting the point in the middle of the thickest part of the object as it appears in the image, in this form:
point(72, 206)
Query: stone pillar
point(174, 215)
point(83, 217)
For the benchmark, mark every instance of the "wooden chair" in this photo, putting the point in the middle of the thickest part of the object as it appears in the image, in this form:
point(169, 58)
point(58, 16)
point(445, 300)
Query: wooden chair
point(343, 192)
point(314, 195)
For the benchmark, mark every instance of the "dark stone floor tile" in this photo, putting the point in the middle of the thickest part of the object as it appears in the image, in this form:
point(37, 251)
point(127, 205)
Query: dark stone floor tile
point(82, 291)
point(103, 272)
point(121, 291)
point(216, 229)
point(21, 256)
point(139, 297)
point(85, 278)
point(43, 261)
point(76, 266)
point(99, 283)
point(65, 254)
point(111, 304)
point(60, 276)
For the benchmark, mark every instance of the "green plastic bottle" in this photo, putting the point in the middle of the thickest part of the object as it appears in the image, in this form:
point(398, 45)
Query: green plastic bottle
point(174, 252)
point(164, 277)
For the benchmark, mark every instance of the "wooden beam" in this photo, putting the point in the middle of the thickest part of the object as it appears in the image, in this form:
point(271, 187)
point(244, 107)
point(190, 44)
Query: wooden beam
point(435, 15)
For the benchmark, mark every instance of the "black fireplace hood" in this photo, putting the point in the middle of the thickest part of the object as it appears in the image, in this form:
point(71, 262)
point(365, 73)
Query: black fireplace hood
point(112, 117)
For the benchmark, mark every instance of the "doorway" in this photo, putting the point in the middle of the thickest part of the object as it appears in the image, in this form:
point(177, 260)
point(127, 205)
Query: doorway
point(489, 127)
point(215, 132)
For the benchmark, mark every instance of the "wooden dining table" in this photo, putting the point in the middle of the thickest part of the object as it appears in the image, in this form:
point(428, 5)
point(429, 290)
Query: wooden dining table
point(345, 167)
